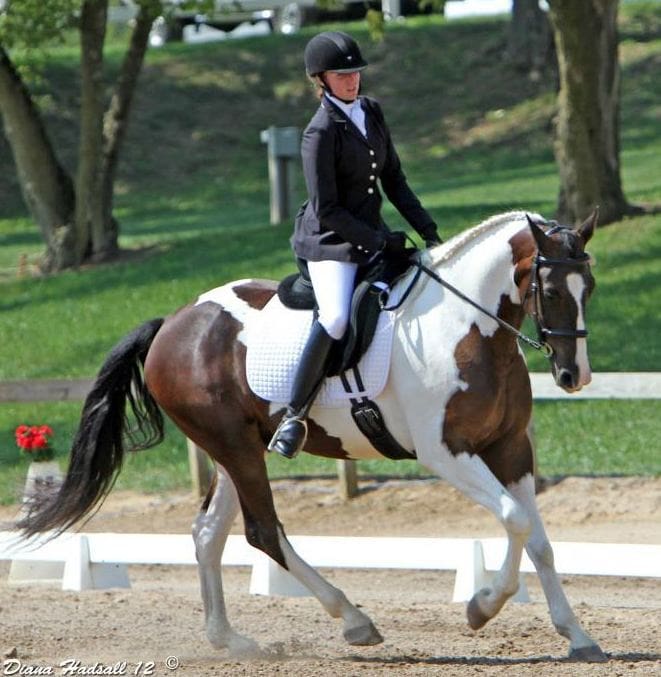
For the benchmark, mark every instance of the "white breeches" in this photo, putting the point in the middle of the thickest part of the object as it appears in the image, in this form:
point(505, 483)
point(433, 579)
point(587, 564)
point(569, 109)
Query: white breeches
point(333, 283)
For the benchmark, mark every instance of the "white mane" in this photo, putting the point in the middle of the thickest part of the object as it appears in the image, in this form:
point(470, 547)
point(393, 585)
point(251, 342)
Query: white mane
point(455, 246)
point(459, 242)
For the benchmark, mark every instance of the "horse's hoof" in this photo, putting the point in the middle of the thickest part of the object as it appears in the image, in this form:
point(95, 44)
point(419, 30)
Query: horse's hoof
point(238, 646)
point(588, 654)
point(476, 617)
point(363, 635)
point(245, 648)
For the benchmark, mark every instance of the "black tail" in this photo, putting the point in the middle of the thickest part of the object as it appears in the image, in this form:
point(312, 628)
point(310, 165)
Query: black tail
point(98, 448)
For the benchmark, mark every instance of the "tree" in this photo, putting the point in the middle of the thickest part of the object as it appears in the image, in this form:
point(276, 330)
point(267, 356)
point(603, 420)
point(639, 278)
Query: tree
point(75, 215)
point(587, 143)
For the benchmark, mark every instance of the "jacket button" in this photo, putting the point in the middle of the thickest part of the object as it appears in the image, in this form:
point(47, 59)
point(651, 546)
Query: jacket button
point(370, 190)
point(371, 152)
point(372, 177)
point(373, 165)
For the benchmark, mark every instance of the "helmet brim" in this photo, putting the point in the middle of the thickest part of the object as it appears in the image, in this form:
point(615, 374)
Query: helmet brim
point(347, 70)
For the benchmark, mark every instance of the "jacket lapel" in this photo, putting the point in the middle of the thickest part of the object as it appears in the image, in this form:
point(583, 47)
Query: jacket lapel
point(339, 117)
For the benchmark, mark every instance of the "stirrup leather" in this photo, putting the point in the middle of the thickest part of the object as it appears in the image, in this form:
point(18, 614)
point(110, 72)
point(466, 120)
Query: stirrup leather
point(289, 436)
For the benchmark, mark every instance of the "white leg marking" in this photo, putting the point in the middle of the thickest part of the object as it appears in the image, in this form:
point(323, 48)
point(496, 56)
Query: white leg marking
point(210, 530)
point(470, 475)
point(358, 628)
point(576, 287)
point(540, 552)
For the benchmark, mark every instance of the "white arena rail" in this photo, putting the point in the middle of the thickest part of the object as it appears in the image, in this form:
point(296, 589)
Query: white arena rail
point(98, 560)
point(605, 385)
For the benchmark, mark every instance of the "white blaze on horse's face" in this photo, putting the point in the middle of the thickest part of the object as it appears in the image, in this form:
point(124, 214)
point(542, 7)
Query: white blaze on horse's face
point(570, 363)
point(576, 286)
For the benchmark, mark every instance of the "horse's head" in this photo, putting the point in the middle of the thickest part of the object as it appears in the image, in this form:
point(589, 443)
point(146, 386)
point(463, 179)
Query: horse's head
point(560, 285)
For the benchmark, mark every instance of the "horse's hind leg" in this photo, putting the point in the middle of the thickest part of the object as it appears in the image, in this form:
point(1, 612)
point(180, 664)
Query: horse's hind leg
point(263, 531)
point(358, 628)
point(582, 646)
point(210, 530)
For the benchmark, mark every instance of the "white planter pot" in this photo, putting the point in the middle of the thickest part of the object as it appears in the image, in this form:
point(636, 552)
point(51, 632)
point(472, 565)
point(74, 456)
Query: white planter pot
point(41, 473)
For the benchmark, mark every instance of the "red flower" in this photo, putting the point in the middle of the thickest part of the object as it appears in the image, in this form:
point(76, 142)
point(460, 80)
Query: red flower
point(35, 440)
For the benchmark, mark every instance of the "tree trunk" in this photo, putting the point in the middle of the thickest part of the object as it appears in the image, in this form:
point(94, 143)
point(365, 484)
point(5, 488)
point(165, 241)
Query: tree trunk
point(93, 240)
point(116, 118)
point(47, 188)
point(587, 145)
point(531, 42)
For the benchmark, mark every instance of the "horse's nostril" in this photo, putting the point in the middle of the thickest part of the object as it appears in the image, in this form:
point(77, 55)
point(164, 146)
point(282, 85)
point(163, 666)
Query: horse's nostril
point(566, 380)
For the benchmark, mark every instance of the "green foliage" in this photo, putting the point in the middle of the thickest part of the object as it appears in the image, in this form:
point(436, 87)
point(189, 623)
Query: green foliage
point(36, 23)
point(375, 23)
point(192, 202)
point(643, 19)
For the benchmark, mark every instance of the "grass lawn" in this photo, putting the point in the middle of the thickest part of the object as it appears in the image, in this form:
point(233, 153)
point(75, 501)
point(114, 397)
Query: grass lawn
point(192, 201)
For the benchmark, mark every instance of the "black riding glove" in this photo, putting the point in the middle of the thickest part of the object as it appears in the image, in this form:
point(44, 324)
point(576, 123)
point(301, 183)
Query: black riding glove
point(432, 241)
point(395, 246)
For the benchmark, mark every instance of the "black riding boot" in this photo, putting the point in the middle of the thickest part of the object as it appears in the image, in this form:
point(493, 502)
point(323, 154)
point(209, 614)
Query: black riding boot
point(290, 435)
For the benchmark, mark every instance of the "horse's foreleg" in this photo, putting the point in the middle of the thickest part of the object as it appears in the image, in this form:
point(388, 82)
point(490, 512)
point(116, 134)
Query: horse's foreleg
point(210, 530)
point(582, 646)
point(470, 475)
point(358, 628)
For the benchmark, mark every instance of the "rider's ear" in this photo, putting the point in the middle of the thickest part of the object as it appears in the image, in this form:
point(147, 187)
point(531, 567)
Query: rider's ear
point(537, 232)
point(586, 229)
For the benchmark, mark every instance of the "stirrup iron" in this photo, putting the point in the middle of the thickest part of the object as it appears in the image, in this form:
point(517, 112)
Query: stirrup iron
point(289, 437)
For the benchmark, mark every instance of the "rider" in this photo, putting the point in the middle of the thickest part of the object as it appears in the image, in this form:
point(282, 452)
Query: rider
point(345, 148)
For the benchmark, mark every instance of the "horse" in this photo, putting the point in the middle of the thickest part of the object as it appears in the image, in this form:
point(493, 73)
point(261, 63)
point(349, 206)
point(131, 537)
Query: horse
point(457, 395)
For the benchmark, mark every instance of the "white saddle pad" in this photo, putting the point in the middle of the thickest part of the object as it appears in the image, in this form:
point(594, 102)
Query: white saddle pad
point(276, 338)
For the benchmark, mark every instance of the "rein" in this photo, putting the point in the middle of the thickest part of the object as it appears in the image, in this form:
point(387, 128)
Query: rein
point(534, 290)
point(537, 345)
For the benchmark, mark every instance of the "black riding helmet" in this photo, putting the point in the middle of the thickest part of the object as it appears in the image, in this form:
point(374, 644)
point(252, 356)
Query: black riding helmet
point(333, 51)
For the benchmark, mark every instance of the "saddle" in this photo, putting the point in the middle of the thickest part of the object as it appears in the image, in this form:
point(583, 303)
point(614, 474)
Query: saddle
point(369, 299)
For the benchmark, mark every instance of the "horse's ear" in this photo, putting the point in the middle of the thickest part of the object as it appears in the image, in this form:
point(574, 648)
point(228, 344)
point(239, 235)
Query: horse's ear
point(587, 228)
point(537, 232)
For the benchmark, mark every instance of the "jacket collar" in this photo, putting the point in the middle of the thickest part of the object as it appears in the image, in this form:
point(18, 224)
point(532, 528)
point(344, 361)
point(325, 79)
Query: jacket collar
point(338, 116)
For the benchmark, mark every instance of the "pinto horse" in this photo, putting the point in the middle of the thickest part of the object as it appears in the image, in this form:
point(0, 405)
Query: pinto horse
point(457, 392)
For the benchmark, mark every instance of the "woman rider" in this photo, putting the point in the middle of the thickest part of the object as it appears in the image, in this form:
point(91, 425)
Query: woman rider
point(345, 148)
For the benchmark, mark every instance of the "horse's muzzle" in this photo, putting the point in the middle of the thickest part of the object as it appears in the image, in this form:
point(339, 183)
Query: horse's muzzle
point(571, 381)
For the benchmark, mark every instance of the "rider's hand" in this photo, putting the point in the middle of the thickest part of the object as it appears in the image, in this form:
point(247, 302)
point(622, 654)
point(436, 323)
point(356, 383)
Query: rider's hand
point(432, 241)
point(395, 246)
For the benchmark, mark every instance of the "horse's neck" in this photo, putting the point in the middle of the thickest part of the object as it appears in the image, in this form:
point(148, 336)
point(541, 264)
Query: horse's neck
point(482, 268)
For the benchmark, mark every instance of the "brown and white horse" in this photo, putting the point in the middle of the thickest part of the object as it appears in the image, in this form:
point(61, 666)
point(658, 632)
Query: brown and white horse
point(458, 393)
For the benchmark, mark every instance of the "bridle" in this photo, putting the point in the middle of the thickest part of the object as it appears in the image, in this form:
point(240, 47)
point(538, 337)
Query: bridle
point(534, 291)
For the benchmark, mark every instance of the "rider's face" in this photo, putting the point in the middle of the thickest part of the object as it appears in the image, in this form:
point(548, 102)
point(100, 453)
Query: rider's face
point(344, 86)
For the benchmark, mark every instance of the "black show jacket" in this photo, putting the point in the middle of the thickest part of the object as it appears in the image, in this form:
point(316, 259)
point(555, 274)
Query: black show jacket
point(341, 220)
